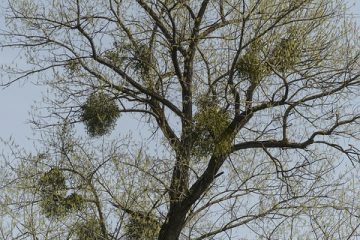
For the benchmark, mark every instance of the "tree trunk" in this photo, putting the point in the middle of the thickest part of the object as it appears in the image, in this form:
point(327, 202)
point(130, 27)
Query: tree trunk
point(171, 229)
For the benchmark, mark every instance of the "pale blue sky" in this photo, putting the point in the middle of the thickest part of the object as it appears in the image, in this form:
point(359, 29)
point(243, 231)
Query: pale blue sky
point(16, 101)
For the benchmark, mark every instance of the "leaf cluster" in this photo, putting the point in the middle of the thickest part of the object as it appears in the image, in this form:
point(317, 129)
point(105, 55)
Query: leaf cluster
point(88, 229)
point(142, 59)
point(285, 54)
point(142, 226)
point(99, 114)
point(52, 181)
point(138, 57)
point(54, 201)
point(250, 65)
point(73, 66)
point(119, 54)
point(210, 123)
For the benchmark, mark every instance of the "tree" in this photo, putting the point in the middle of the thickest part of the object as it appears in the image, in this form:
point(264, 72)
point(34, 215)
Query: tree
point(253, 106)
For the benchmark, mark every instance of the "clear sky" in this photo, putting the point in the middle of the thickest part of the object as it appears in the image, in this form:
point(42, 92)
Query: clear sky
point(16, 101)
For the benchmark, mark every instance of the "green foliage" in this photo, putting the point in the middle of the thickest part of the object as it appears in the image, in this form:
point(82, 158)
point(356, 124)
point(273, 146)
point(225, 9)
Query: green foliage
point(73, 66)
point(250, 65)
point(52, 181)
point(115, 57)
point(51, 205)
point(99, 114)
point(53, 190)
point(138, 57)
point(73, 202)
point(210, 122)
point(287, 51)
point(142, 59)
point(142, 227)
point(88, 230)
point(56, 205)
point(284, 55)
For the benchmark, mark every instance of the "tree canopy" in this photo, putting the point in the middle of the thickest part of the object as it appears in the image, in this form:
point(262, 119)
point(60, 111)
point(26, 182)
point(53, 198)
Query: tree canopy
point(250, 108)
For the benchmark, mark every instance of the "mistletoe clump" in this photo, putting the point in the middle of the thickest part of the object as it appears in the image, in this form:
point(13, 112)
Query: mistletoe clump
point(287, 52)
point(99, 114)
point(73, 202)
point(250, 65)
point(54, 202)
point(73, 66)
point(52, 181)
point(52, 206)
point(210, 123)
point(142, 59)
point(119, 54)
point(89, 229)
point(56, 205)
point(142, 226)
point(52, 188)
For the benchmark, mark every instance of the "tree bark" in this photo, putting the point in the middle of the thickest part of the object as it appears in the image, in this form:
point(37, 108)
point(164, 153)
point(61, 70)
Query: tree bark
point(171, 229)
